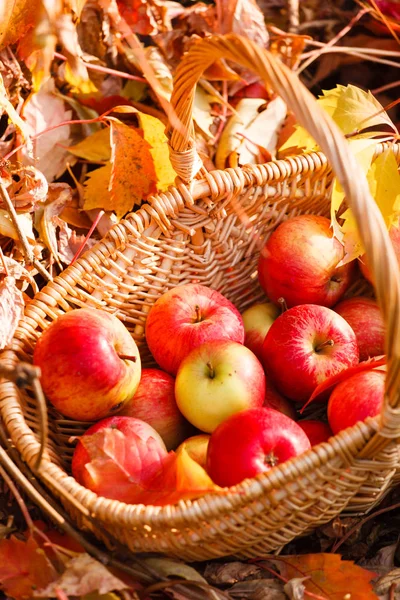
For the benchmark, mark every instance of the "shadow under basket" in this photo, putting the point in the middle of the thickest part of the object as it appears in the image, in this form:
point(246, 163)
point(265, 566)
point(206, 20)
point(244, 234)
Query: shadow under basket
point(210, 230)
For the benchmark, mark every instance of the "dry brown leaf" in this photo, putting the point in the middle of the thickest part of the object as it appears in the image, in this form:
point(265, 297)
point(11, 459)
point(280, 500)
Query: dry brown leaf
point(42, 111)
point(173, 568)
point(29, 188)
point(6, 106)
point(11, 310)
point(83, 575)
point(230, 572)
point(76, 73)
point(384, 583)
point(258, 589)
point(69, 241)
point(295, 588)
point(60, 194)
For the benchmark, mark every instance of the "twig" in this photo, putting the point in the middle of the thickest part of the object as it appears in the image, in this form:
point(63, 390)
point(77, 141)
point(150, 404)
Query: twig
point(384, 88)
point(89, 233)
point(294, 15)
point(366, 54)
point(29, 257)
point(3, 260)
point(359, 524)
point(105, 69)
point(392, 591)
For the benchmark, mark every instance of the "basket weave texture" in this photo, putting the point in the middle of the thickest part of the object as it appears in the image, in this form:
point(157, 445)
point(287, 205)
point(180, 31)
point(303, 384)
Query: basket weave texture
point(209, 228)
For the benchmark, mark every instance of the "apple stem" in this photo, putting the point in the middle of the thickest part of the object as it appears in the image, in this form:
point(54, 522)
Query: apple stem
point(211, 368)
point(198, 313)
point(283, 304)
point(270, 459)
point(127, 357)
point(324, 345)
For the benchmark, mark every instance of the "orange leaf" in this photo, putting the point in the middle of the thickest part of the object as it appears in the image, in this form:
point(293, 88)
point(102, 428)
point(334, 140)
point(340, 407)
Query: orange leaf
point(366, 365)
point(24, 567)
point(16, 18)
point(133, 175)
point(328, 576)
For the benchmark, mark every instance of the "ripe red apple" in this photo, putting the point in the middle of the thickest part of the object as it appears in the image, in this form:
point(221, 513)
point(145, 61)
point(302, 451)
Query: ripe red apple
point(89, 362)
point(257, 320)
point(306, 345)
point(273, 399)
point(184, 318)
point(358, 397)
point(299, 263)
point(154, 402)
point(394, 234)
point(316, 431)
point(216, 380)
point(251, 442)
point(117, 456)
point(365, 318)
point(196, 446)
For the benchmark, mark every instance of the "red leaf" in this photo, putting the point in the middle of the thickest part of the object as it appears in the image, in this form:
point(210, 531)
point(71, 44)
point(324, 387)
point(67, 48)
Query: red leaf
point(328, 576)
point(24, 567)
point(366, 365)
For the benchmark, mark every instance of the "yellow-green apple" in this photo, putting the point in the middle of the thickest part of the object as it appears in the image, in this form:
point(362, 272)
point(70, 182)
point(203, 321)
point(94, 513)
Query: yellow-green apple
point(257, 320)
point(90, 364)
point(117, 457)
point(356, 398)
point(273, 399)
point(365, 318)
point(251, 442)
point(299, 263)
point(154, 402)
point(184, 318)
point(316, 431)
point(394, 234)
point(216, 380)
point(306, 345)
point(196, 446)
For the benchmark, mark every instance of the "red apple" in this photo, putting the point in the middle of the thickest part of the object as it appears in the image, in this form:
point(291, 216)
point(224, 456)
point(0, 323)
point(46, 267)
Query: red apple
point(365, 318)
point(316, 431)
point(117, 456)
point(184, 318)
point(299, 263)
point(273, 399)
point(394, 234)
point(257, 320)
point(217, 380)
point(89, 362)
point(306, 345)
point(196, 446)
point(358, 397)
point(154, 402)
point(251, 442)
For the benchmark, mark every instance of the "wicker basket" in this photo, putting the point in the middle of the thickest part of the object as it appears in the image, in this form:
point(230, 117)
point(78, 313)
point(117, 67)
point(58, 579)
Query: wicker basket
point(210, 229)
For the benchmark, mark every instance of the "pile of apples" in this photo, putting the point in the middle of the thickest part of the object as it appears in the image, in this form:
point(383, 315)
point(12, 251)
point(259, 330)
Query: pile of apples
point(229, 387)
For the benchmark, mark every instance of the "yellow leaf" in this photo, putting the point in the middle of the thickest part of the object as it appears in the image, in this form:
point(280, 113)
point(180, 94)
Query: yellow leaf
point(153, 132)
point(347, 233)
point(95, 148)
point(133, 175)
point(351, 108)
point(16, 18)
point(384, 184)
point(75, 70)
point(96, 193)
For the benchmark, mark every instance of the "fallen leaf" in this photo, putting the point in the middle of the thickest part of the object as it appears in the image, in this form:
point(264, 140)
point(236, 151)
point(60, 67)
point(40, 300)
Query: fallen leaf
point(16, 18)
point(375, 362)
point(244, 17)
point(69, 242)
point(96, 192)
point(153, 133)
point(250, 128)
point(295, 588)
point(83, 575)
point(202, 112)
point(94, 148)
point(383, 584)
point(59, 195)
point(11, 310)
point(173, 568)
point(258, 589)
point(44, 110)
point(139, 16)
point(14, 117)
point(328, 575)
point(25, 223)
point(384, 184)
point(230, 572)
point(24, 567)
point(133, 175)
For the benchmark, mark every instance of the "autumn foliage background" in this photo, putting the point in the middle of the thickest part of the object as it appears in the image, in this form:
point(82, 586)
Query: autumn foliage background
point(84, 101)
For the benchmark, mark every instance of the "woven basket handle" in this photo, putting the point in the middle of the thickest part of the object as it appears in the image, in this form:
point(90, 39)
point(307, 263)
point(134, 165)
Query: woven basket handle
point(373, 232)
